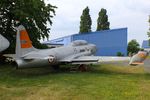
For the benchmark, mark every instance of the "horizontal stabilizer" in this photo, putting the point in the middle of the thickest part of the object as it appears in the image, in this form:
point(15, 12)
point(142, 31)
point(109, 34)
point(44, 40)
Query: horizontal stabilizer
point(10, 55)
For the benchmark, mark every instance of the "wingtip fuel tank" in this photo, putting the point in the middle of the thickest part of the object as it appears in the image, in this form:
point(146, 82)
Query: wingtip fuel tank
point(138, 58)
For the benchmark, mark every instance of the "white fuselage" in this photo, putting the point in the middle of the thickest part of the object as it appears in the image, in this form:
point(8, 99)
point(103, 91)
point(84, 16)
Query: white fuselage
point(57, 54)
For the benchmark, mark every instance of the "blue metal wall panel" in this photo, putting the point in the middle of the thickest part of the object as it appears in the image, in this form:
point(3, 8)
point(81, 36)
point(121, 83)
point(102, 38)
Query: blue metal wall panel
point(145, 44)
point(108, 42)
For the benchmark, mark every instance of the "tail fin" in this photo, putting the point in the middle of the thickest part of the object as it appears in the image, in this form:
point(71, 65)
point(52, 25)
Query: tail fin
point(23, 42)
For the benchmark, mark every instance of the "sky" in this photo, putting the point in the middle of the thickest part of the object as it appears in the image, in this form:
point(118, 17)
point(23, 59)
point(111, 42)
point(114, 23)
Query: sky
point(133, 14)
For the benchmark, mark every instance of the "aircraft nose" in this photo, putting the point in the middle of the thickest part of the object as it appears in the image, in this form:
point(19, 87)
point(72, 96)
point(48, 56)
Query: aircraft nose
point(4, 43)
point(7, 44)
point(93, 47)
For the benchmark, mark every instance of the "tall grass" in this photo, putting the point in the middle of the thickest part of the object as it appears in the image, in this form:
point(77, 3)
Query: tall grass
point(101, 82)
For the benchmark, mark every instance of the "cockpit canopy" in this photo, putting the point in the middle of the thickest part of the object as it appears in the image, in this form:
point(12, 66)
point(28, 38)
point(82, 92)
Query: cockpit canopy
point(79, 43)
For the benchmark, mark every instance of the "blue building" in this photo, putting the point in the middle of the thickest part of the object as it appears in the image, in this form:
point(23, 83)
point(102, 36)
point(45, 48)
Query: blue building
point(145, 44)
point(108, 42)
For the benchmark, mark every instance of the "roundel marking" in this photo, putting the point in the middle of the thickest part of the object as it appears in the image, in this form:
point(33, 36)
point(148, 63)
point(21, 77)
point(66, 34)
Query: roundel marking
point(51, 59)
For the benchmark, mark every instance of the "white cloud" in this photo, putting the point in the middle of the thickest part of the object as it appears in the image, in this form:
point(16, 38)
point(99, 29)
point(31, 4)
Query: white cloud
point(122, 13)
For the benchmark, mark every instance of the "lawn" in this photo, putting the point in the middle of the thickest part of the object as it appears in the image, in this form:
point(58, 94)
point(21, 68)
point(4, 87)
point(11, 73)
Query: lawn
point(101, 82)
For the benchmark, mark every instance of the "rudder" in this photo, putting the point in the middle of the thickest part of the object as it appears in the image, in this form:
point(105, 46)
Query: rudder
point(23, 42)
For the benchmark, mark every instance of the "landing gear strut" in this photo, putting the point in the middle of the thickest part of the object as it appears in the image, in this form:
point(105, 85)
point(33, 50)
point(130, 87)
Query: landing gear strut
point(82, 68)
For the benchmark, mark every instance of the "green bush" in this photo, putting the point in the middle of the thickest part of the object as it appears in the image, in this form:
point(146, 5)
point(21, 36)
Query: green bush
point(120, 54)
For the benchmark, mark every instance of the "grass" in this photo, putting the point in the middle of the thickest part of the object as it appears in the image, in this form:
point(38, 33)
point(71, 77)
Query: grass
point(101, 82)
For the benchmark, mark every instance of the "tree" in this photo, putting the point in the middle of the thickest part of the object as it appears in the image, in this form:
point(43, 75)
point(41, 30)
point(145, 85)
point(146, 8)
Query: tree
point(33, 14)
point(102, 21)
point(86, 22)
point(148, 33)
point(133, 47)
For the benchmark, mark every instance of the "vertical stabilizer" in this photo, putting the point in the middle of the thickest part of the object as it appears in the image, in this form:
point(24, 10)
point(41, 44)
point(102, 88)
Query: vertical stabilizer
point(23, 42)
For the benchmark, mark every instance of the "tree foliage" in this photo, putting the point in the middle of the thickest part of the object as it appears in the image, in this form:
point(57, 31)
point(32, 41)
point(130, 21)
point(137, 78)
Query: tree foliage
point(133, 47)
point(102, 21)
point(33, 14)
point(148, 33)
point(86, 22)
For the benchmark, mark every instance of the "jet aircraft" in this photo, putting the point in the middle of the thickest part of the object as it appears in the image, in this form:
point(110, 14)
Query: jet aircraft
point(78, 52)
point(4, 43)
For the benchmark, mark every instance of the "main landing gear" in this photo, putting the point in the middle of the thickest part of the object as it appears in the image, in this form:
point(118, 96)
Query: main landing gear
point(81, 68)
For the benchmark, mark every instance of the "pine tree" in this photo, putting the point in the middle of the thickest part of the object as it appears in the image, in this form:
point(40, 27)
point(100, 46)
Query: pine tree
point(86, 22)
point(33, 14)
point(102, 21)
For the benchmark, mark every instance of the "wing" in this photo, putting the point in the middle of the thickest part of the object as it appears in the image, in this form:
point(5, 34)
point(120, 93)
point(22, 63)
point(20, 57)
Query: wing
point(94, 59)
point(81, 60)
point(78, 59)
point(106, 59)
